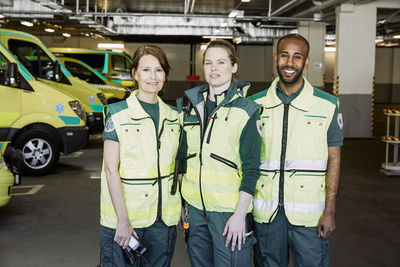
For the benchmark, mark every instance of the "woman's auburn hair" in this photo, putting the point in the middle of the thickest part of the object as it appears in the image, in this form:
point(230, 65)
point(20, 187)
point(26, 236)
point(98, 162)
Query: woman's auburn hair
point(155, 51)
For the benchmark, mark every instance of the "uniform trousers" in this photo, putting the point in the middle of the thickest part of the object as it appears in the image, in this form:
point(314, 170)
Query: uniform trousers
point(276, 238)
point(158, 239)
point(206, 244)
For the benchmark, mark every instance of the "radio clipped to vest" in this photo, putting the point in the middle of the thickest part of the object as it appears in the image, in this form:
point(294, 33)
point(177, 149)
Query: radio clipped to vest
point(186, 106)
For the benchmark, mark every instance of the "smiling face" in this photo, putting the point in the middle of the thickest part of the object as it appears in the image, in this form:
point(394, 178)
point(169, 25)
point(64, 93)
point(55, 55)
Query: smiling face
point(291, 60)
point(149, 75)
point(218, 69)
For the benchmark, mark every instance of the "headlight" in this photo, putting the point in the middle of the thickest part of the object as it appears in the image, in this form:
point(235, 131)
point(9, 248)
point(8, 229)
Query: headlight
point(77, 108)
point(102, 98)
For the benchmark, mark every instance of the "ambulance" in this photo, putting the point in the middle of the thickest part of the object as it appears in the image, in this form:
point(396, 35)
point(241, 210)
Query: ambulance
point(36, 118)
point(114, 92)
point(114, 65)
point(45, 67)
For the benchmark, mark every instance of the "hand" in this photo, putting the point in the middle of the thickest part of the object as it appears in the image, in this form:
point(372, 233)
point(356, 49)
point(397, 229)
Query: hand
point(123, 233)
point(236, 230)
point(326, 225)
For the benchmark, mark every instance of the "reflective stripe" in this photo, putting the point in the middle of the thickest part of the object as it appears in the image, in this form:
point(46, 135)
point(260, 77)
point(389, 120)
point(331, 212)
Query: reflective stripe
point(269, 165)
point(315, 165)
point(268, 205)
point(308, 164)
point(304, 207)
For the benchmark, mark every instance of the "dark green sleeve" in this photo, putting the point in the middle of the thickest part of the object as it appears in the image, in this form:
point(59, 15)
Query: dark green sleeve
point(109, 132)
point(250, 150)
point(335, 130)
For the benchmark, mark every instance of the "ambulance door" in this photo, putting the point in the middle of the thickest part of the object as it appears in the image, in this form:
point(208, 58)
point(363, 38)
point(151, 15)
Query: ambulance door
point(10, 97)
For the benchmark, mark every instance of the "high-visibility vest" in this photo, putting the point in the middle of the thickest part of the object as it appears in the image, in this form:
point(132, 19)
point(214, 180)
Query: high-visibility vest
point(214, 174)
point(147, 161)
point(305, 162)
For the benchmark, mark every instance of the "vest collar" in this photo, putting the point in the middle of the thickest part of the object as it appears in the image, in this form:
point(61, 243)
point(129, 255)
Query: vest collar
point(198, 94)
point(137, 111)
point(302, 101)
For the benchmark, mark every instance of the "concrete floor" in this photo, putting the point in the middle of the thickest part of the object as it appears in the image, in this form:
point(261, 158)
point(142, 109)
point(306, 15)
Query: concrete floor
point(58, 225)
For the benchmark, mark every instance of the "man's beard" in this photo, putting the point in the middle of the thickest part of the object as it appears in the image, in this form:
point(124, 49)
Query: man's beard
point(295, 78)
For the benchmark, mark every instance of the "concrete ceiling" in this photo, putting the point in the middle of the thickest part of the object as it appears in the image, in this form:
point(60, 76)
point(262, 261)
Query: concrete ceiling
point(180, 20)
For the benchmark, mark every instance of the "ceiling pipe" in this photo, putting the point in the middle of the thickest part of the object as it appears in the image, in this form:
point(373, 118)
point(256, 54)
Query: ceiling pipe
point(318, 7)
point(288, 6)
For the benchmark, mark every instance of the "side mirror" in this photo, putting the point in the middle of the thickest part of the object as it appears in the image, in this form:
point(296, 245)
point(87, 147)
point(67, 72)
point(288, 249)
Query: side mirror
point(57, 71)
point(13, 74)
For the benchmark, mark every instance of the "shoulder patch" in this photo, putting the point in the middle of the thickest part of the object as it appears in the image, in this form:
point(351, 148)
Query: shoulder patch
point(259, 127)
point(321, 94)
point(340, 120)
point(109, 127)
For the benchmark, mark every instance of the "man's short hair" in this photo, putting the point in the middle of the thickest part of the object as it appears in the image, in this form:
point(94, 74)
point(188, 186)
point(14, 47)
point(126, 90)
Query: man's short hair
point(294, 36)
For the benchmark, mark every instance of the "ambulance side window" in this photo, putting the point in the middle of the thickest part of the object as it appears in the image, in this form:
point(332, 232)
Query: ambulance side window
point(3, 70)
point(82, 72)
point(33, 58)
point(120, 63)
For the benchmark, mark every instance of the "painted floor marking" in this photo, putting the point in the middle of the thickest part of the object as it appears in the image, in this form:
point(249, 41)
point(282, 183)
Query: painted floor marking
point(33, 189)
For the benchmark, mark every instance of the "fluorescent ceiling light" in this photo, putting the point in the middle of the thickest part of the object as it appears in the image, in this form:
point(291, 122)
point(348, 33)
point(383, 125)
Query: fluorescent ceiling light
point(110, 46)
point(330, 49)
point(27, 23)
point(66, 34)
point(217, 37)
point(396, 36)
point(49, 30)
point(245, 1)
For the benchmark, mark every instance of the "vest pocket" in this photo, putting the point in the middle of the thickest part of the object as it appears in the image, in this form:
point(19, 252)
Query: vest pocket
point(224, 161)
point(141, 197)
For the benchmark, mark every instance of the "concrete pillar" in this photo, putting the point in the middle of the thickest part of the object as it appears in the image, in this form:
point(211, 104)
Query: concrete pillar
point(314, 32)
point(396, 76)
point(355, 65)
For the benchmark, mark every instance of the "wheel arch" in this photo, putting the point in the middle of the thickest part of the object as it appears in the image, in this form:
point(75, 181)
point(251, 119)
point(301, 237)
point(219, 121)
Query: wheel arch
point(48, 128)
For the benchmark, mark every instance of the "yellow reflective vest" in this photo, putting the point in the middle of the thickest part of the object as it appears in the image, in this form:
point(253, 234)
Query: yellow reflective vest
point(147, 161)
point(298, 150)
point(213, 174)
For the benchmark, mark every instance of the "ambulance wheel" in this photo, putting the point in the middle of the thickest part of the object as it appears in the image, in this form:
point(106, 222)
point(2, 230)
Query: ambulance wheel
point(40, 151)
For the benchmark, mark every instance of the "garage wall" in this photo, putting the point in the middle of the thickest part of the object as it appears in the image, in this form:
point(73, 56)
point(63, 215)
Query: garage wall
point(387, 72)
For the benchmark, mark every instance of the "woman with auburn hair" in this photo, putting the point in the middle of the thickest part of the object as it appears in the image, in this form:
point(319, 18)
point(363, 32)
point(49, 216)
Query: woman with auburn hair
point(140, 144)
point(222, 150)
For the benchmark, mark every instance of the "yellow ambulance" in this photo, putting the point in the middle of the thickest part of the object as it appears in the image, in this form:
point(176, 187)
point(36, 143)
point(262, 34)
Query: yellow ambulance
point(114, 92)
point(9, 173)
point(36, 118)
point(45, 67)
point(113, 65)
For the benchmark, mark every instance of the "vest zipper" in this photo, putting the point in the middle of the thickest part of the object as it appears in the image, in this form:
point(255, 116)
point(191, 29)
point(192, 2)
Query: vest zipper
point(211, 127)
point(226, 162)
point(283, 153)
point(159, 211)
point(201, 161)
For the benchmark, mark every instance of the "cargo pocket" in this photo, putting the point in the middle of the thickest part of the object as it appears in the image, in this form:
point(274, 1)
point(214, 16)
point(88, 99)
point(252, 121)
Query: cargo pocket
point(242, 258)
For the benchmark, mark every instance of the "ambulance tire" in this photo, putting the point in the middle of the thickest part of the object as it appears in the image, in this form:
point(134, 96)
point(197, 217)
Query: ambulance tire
point(40, 150)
